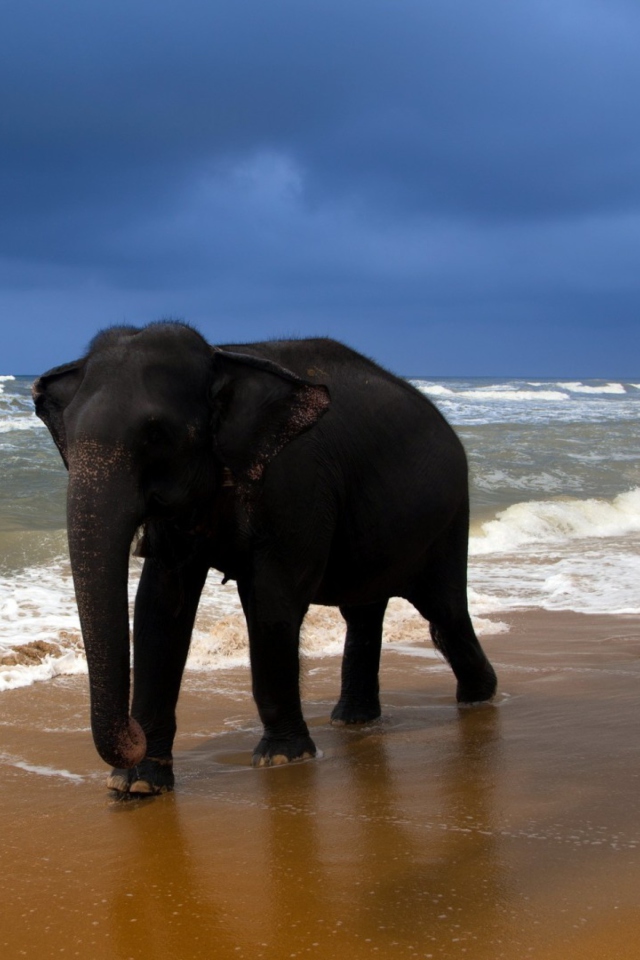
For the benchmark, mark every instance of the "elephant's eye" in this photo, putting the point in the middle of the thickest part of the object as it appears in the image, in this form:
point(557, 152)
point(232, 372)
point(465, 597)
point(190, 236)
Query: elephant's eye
point(155, 434)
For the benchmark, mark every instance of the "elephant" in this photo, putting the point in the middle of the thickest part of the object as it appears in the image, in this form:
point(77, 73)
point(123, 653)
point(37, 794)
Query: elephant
point(298, 468)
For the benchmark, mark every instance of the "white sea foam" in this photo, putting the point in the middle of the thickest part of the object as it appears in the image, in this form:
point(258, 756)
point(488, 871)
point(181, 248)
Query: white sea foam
point(36, 604)
point(9, 424)
point(526, 557)
point(498, 392)
point(553, 521)
point(40, 634)
point(39, 627)
point(588, 579)
point(580, 555)
point(466, 402)
point(23, 675)
point(225, 643)
point(434, 389)
point(6, 377)
point(39, 770)
point(578, 387)
point(3, 380)
point(48, 771)
point(601, 575)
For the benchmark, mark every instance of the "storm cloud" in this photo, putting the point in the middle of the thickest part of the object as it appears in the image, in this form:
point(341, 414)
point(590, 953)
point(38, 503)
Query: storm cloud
point(450, 186)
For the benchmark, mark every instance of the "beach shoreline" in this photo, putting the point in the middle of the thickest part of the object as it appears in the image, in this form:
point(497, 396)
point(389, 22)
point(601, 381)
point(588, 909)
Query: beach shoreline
point(508, 830)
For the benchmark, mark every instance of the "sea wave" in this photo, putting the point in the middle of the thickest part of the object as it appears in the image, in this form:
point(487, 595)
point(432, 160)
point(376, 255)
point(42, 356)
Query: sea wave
point(40, 633)
point(555, 521)
point(469, 403)
point(24, 675)
point(579, 387)
point(518, 395)
point(10, 424)
point(496, 392)
point(580, 555)
point(39, 628)
point(601, 577)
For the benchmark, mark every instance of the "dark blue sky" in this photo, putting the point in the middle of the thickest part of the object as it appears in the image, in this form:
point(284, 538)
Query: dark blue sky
point(452, 187)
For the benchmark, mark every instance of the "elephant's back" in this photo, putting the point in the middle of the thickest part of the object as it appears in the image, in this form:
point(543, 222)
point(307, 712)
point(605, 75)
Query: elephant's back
point(390, 447)
point(371, 397)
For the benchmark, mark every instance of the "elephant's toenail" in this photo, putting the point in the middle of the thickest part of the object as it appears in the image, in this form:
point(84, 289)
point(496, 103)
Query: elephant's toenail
point(141, 786)
point(118, 782)
point(279, 759)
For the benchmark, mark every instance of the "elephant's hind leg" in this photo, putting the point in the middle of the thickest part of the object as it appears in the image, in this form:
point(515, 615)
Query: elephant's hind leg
point(455, 638)
point(453, 635)
point(359, 696)
point(441, 597)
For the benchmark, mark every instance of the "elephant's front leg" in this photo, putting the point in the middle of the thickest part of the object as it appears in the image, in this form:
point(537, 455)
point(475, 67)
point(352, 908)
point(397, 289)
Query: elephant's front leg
point(274, 617)
point(165, 611)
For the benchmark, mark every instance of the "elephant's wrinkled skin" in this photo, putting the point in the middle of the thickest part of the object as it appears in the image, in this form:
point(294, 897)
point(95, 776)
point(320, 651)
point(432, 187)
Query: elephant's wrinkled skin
point(298, 468)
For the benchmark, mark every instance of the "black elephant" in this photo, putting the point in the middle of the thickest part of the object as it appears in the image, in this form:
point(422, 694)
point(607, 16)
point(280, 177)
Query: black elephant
point(298, 468)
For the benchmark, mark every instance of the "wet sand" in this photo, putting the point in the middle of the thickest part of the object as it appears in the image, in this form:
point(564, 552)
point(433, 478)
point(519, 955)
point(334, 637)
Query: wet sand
point(510, 830)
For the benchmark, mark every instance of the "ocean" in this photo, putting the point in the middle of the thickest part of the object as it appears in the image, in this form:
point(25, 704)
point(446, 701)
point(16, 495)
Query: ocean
point(555, 524)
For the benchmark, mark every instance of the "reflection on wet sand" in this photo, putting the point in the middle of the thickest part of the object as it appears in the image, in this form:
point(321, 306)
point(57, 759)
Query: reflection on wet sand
point(504, 831)
point(159, 906)
point(353, 866)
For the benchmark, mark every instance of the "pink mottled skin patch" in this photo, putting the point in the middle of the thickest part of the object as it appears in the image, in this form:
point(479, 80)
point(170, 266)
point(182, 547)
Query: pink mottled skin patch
point(309, 405)
point(131, 745)
point(91, 461)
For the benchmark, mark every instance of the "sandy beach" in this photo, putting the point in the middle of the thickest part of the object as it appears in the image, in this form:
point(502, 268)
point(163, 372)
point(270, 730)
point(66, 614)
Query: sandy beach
point(510, 830)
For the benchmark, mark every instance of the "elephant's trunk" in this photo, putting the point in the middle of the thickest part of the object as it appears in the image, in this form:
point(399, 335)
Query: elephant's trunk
point(103, 515)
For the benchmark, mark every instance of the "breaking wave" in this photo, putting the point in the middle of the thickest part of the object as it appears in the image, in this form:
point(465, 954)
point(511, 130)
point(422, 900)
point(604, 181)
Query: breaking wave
point(579, 387)
point(490, 393)
point(554, 521)
point(576, 555)
point(40, 633)
point(9, 424)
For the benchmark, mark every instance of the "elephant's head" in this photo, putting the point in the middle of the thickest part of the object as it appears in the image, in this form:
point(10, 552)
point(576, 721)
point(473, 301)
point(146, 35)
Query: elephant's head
point(145, 423)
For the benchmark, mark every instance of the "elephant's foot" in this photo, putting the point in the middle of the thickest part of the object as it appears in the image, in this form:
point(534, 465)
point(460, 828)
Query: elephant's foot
point(148, 778)
point(482, 686)
point(273, 753)
point(347, 712)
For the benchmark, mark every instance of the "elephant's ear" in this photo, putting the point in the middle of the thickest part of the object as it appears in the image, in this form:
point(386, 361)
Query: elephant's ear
point(52, 393)
point(258, 408)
